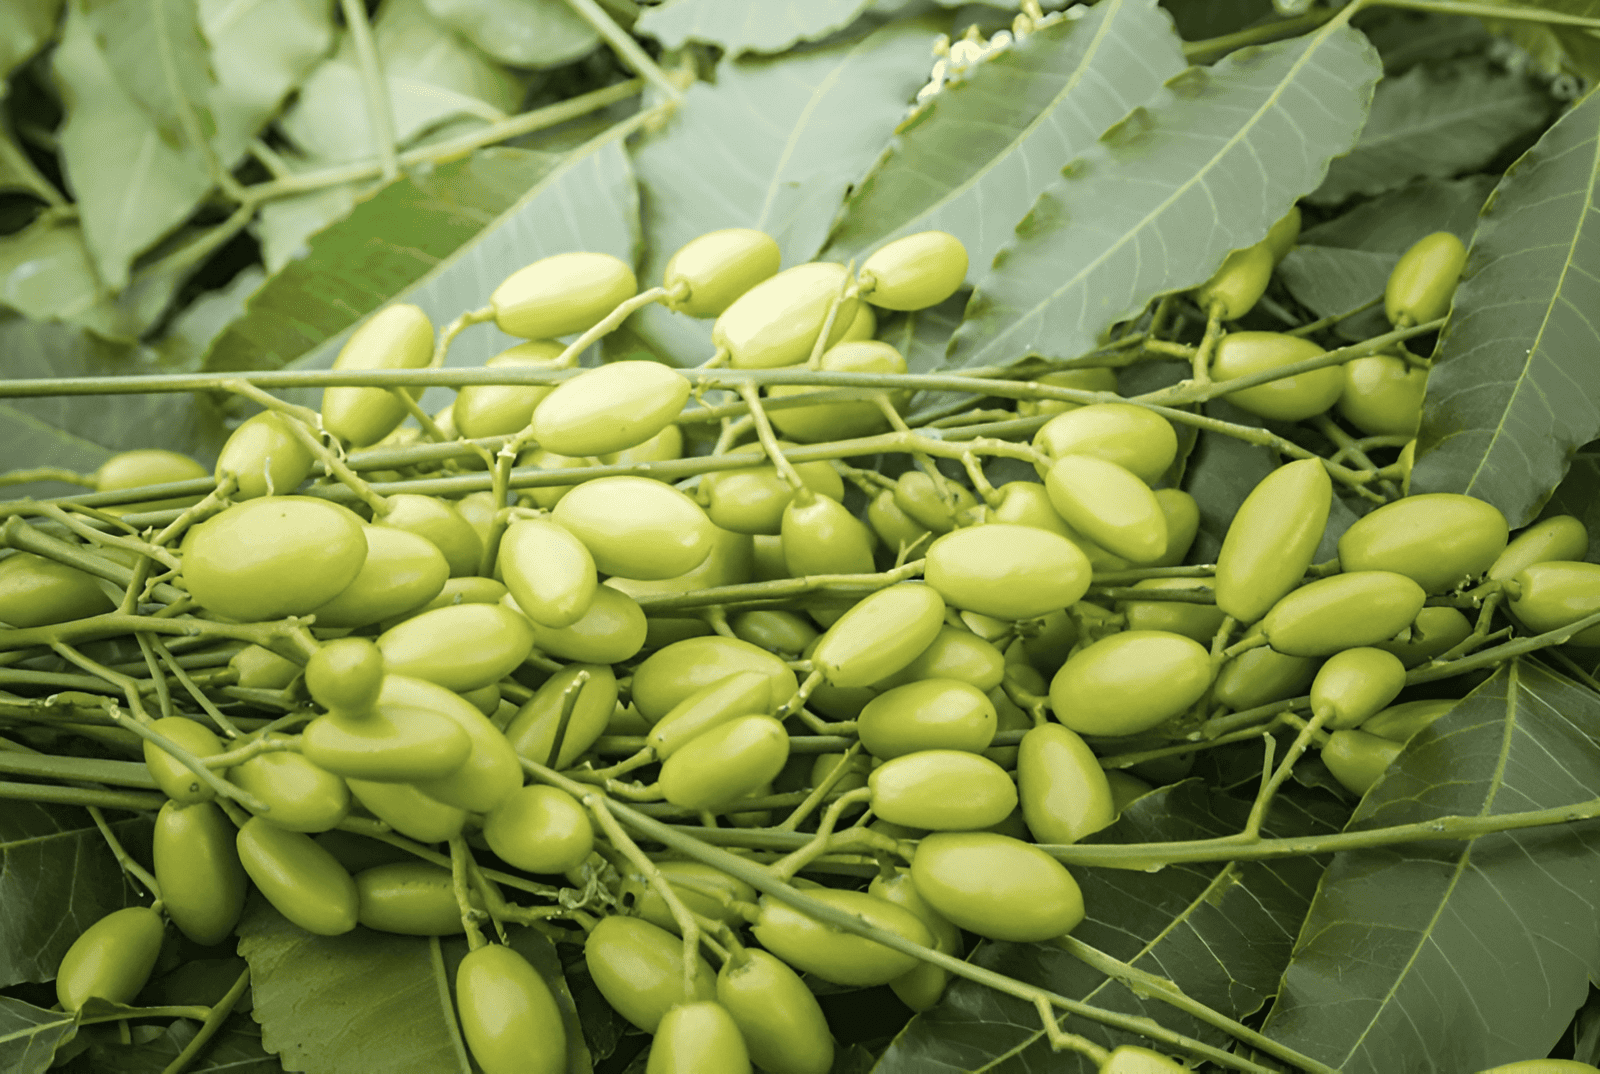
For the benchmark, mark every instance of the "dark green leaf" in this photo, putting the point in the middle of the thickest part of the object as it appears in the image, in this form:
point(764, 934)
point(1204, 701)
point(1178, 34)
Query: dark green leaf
point(524, 33)
point(25, 25)
point(1435, 123)
point(772, 145)
point(29, 1036)
point(1515, 390)
point(1197, 20)
point(156, 53)
point(236, 1049)
point(977, 153)
point(323, 1001)
point(1155, 205)
point(1407, 38)
point(747, 25)
point(1403, 942)
point(57, 877)
point(1579, 495)
point(1222, 933)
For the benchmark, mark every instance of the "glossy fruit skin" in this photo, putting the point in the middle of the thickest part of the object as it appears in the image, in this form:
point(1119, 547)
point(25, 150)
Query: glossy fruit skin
point(273, 557)
point(1238, 285)
point(1292, 398)
point(1424, 280)
point(345, 675)
point(491, 770)
point(1382, 395)
point(718, 267)
point(1088, 380)
point(401, 571)
point(396, 337)
point(441, 524)
point(921, 987)
point(1027, 503)
point(1355, 684)
point(744, 693)
point(664, 445)
point(1198, 621)
point(775, 630)
point(462, 647)
point(914, 272)
point(146, 466)
point(836, 955)
point(1433, 631)
point(404, 738)
point(1272, 539)
point(1134, 437)
point(705, 890)
point(1398, 723)
point(547, 496)
point(843, 420)
point(637, 527)
point(175, 780)
point(408, 811)
point(953, 654)
point(202, 882)
point(881, 634)
point(35, 591)
point(502, 409)
point(1553, 594)
point(996, 886)
point(751, 500)
point(1358, 759)
point(540, 829)
point(725, 763)
point(111, 959)
point(730, 562)
point(612, 630)
point(942, 790)
point(1129, 682)
point(776, 322)
point(509, 1016)
point(1125, 789)
point(1282, 235)
point(780, 1019)
point(1342, 612)
point(1108, 504)
point(561, 294)
point(1262, 675)
point(820, 536)
point(698, 1038)
point(548, 571)
point(1061, 786)
point(1007, 571)
point(1543, 1066)
point(302, 881)
point(671, 674)
point(638, 968)
point(1559, 537)
point(302, 797)
point(1131, 1059)
point(532, 731)
point(1440, 540)
point(610, 408)
point(941, 714)
point(412, 898)
point(265, 457)
point(919, 498)
point(1183, 525)
point(262, 669)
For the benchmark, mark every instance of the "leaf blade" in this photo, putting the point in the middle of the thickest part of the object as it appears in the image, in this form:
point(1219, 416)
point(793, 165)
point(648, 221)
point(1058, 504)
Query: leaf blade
point(741, 26)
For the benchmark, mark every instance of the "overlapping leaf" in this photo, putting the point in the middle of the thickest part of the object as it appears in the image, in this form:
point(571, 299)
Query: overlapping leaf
point(772, 145)
point(978, 152)
point(382, 996)
point(29, 1036)
point(259, 52)
point(525, 33)
point(1222, 933)
point(1206, 166)
point(1579, 495)
point(236, 1049)
point(1460, 955)
point(1435, 123)
point(741, 26)
point(155, 50)
point(1516, 390)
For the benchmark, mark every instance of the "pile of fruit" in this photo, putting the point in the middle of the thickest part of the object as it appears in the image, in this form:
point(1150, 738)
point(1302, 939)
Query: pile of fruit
point(675, 680)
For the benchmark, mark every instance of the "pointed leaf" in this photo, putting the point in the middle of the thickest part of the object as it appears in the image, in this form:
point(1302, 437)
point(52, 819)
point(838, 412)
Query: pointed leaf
point(980, 150)
point(29, 1036)
point(1516, 390)
point(236, 1049)
point(1206, 166)
point(1469, 953)
point(25, 26)
point(1435, 123)
point(524, 33)
point(259, 52)
point(1579, 495)
point(740, 26)
point(155, 50)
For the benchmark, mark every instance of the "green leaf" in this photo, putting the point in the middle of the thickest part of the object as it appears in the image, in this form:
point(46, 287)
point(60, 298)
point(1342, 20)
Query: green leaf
point(159, 59)
point(130, 185)
point(387, 244)
point(57, 877)
point(1579, 495)
point(236, 1049)
point(524, 33)
point(1222, 933)
point(1435, 123)
point(387, 999)
point(1459, 955)
point(46, 272)
point(1515, 389)
point(285, 225)
point(1160, 199)
point(979, 151)
point(773, 144)
point(259, 52)
point(740, 26)
point(29, 1036)
point(1407, 38)
point(25, 26)
point(1197, 20)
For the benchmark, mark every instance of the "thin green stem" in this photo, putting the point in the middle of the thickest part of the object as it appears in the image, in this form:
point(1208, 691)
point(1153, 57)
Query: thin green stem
point(124, 859)
point(635, 58)
point(214, 1018)
point(380, 111)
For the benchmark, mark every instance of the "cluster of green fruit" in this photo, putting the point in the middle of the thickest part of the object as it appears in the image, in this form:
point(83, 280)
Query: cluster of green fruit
point(432, 654)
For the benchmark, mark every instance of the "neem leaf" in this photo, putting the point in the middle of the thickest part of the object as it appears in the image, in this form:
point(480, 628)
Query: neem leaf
point(155, 50)
point(236, 1049)
point(981, 149)
point(1435, 123)
point(29, 1036)
point(1204, 167)
point(57, 877)
point(259, 52)
point(1515, 389)
point(524, 33)
point(1579, 495)
point(747, 25)
point(1459, 955)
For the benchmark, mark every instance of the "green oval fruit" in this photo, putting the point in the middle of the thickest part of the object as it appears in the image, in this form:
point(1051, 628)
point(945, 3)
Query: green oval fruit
point(1086, 380)
point(1291, 398)
point(35, 591)
point(725, 763)
point(1282, 235)
point(491, 770)
point(1129, 682)
point(202, 883)
point(780, 1019)
point(1108, 504)
point(612, 630)
point(671, 674)
point(1432, 632)
point(412, 898)
point(1131, 1059)
point(610, 408)
point(1262, 675)
point(504, 409)
point(940, 714)
point(896, 529)
point(751, 500)
point(1358, 759)
point(1553, 594)
point(1560, 537)
point(821, 537)
point(833, 954)
point(1398, 723)
point(775, 630)
point(396, 337)
point(441, 524)
point(698, 1038)
point(942, 790)
point(548, 571)
point(921, 987)
point(1007, 571)
point(637, 527)
point(1134, 437)
point(405, 737)
point(638, 968)
point(843, 420)
point(1272, 539)
point(532, 730)
point(744, 693)
point(408, 811)
point(174, 779)
point(1061, 786)
point(1342, 612)
point(300, 796)
point(998, 887)
point(146, 466)
point(263, 669)
point(345, 675)
point(880, 635)
point(401, 571)
point(112, 959)
point(509, 1016)
point(714, 269)
point(1355, 684)
point(1238, 285)
point(461, 647)
point(540, 829)
point(273, 557)
point(1423, 281)
point(952, 654)
point(914, 272)
point(1198, 621)
point(705, 890)
point(664, 445)
point(777, 322)
point(1440, 540)
point(1382, 395)
point(264, 457)
point(302, 881)
point(561, 294)
point(917, 494)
